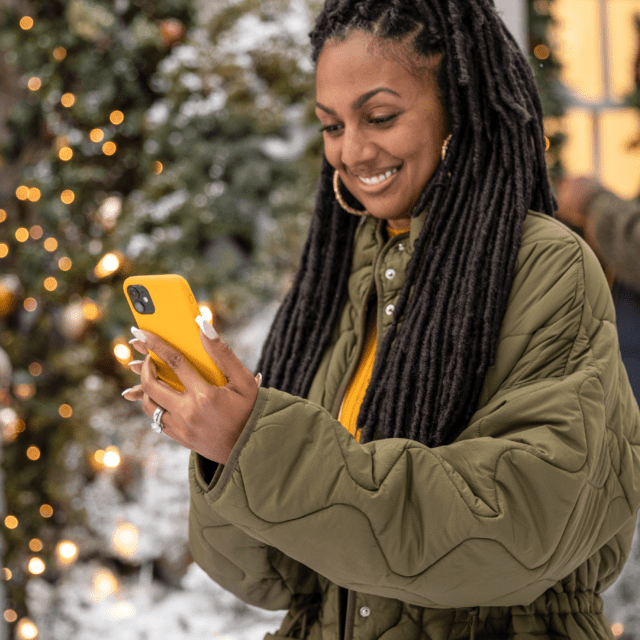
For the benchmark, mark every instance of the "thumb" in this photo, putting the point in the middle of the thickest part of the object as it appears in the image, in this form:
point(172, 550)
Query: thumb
point(221, 353)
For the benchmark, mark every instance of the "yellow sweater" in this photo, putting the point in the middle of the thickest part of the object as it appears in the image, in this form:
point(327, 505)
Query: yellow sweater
point(362, 375)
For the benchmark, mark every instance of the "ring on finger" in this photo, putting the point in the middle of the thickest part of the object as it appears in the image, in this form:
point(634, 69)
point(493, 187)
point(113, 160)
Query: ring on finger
point(157, 424)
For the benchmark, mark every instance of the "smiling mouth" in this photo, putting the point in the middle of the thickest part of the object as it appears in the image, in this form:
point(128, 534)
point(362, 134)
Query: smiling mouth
point(379, 178)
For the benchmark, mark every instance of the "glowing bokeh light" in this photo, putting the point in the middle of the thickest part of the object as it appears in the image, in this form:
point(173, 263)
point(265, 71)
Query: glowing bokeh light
point(68, 100)
point(125, 539)
point(33, 453)
point(36, 566)
point(65, 411)
point(50, 244)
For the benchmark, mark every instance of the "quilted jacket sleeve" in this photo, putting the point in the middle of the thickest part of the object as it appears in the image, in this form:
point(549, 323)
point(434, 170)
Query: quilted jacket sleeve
point(256, 572)
point(546, 473)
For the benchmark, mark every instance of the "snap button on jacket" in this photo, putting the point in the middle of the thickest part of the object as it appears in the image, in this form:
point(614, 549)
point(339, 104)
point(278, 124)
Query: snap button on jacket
point(512, 531)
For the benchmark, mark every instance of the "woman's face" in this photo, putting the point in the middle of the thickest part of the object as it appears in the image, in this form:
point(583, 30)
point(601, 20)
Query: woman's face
point(383, 126)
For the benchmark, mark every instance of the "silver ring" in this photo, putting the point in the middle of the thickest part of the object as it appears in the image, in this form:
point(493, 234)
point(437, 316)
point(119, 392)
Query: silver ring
point(157, 425)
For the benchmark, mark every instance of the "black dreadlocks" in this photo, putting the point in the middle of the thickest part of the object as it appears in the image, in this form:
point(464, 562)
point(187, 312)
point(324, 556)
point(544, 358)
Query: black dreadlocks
point(433, 360)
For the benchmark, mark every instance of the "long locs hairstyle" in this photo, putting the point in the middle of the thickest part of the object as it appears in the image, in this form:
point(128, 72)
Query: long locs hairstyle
point(433, 360)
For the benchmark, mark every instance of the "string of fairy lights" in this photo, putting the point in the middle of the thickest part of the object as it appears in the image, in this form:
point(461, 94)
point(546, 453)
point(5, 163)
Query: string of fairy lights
point(124, 539)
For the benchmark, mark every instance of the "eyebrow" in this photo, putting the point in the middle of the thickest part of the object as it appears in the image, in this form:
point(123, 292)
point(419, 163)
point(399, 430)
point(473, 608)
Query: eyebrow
point(359, 102)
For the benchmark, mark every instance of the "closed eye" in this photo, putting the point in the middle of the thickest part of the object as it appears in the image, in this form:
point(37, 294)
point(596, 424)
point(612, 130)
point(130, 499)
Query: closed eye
point(330, 128)
point(383, 120)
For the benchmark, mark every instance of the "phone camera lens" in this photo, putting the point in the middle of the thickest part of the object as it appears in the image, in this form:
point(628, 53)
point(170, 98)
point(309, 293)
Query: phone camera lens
point(139, 307)
point(133, 293)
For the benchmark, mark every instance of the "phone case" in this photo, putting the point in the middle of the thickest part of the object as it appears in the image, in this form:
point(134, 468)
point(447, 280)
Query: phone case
point(173, 320)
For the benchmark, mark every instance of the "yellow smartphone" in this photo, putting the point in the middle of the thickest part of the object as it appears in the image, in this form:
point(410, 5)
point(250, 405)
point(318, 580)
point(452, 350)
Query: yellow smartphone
point(166, 306)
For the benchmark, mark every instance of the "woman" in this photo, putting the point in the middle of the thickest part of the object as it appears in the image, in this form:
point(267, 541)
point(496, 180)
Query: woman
point(487, 482)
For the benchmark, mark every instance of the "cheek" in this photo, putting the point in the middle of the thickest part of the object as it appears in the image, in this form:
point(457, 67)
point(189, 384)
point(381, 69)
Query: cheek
point(332, 152)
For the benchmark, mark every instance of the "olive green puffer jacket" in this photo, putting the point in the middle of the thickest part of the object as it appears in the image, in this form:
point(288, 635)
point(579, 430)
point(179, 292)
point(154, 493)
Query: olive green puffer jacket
point(512, 531)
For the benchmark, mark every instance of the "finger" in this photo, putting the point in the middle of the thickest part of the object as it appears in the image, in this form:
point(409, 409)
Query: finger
point(221, 353)
point(134, 393)
point(135, 366)
point(157, 390)
point(138, 345)
point(172, 357)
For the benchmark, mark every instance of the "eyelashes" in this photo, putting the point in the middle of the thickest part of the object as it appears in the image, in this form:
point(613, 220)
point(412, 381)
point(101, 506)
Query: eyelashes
point(334, 128)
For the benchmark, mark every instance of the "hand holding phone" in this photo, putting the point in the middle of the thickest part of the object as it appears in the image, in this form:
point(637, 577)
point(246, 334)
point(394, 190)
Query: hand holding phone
point(165, 305)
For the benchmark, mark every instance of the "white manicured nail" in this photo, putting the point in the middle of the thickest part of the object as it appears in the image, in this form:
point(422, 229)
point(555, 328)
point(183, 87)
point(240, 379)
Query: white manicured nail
point(138, 334)
point(207, 329)
point(135, 362)
point(126, 391)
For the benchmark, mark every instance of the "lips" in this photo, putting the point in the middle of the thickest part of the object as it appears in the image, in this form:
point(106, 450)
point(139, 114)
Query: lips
point(378, 179)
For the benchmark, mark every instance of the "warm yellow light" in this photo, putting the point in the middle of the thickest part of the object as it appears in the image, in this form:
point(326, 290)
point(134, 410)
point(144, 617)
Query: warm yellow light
point(64, 264)
point(26, 23)
point(24, 391)
point(30, 304)
point(50, 283)
point(125, 539)
point(10, 615)
point(59, 53)
point(576, 38)
point(36, 566)
point(104, 584)
point(35, 369)
point(205, 311)
point(33, 453)
point(121, 610)
point(99, 456)
point(116, 117)
point(617, 629)
point(4, 250)
point(61, 141)
point(67, 196)
point(158, 167)
point(91, 310)
point(34, 83)
point(109, 264)
point(66, 153)
point(50, 244)
point(46, 510)
point(36, 232)
point(26, 629)
point(34, 194)
point(22, 192)
point(66, 551)
point(7, 573)
point(109, 148)
point(3, 215)
point(541, 52)
point(122, 352)
point(65, 411)
point(35, 544)
point(11, 522)
point(68, 100)
point(111, 457)
point(22, 234)
point(96, 135)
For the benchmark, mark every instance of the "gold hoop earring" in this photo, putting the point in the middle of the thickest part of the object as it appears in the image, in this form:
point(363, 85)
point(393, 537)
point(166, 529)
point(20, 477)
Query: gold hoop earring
point(340, 199)
point(445, 146)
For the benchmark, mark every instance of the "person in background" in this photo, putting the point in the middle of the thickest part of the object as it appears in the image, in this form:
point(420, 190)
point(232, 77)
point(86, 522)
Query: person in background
point(611, 227)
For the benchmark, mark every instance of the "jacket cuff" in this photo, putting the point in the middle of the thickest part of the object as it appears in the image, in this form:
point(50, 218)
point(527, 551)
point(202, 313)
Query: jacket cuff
point(222, 474)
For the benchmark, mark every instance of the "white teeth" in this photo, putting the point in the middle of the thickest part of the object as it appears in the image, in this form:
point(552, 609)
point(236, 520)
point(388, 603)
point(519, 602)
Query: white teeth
point(378, 179)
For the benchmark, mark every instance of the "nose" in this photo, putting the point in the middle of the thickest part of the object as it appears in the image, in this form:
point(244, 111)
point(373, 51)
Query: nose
point(357, 149)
